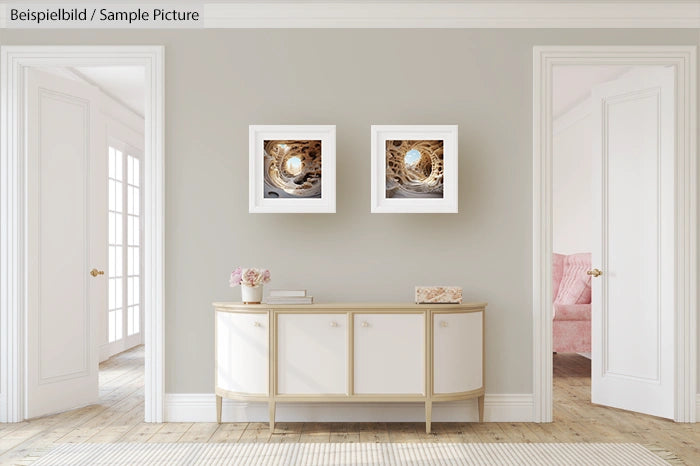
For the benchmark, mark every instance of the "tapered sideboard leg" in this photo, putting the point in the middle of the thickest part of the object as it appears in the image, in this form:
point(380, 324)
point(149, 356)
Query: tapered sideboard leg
point(481, 408)
point(271, 405)
point(218, 409)
point(428, 415)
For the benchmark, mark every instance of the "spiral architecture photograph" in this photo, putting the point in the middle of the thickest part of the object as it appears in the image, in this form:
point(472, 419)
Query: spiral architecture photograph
point(292, 169)
point(414, 169)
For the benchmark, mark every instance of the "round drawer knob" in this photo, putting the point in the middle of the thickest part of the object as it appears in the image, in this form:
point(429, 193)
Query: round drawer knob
point(443, 323)
point(365, 324)
point(334, 324)
point(256, 324)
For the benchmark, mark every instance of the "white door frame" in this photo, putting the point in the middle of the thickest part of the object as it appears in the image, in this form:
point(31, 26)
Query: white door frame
point(13, 235)
point(683, 58)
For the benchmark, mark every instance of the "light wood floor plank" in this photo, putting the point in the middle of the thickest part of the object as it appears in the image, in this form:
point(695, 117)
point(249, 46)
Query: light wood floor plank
point(140, 433)
point(199, 432)
point(315, 432)
point(170, 432)
point(286, 432)
point(374, 432)
point(404, 432)
point(256, 432)
point(229, 432)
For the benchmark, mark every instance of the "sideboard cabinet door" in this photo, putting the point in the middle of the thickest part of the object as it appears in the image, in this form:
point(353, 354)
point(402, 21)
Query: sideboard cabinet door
point(389, 353)
point(312, 354)
point(457, 352)
point(242, 352)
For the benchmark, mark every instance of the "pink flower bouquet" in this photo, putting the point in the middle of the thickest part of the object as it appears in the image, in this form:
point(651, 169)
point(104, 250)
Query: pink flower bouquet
point(249, 277)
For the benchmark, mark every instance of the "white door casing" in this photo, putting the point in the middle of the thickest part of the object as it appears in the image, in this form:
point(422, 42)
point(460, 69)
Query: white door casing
point(66, 187)
point(388, 354)
point(311, 353)
point(14, 62)
point(633, 242)
point(683, 60)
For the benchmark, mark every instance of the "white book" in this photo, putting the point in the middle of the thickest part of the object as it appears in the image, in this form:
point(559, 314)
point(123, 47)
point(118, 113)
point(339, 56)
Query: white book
point(288, 293)
point(289, 300)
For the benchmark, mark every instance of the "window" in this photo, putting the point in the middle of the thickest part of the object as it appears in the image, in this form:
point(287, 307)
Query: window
point(124, 300)
point(134, 245)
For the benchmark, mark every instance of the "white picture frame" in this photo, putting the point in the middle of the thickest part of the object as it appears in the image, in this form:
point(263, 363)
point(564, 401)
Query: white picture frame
point(278, 199)
point(435, 202)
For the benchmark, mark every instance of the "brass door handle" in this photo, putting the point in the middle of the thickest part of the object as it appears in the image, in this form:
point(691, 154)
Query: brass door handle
point(595, 273)
point(95, 272)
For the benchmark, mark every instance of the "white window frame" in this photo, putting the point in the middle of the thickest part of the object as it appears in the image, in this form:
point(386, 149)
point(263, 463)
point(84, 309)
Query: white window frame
point(127, 341)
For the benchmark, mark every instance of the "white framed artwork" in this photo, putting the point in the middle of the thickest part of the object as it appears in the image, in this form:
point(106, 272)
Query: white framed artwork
point(292, 169)
point(414, 169)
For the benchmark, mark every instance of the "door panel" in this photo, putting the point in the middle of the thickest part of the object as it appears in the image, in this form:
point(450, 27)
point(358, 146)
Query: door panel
point(457, 352)
point(312, 354)
point(242, 352)
point(633, 307)
point(63, 191)
point(389, 354)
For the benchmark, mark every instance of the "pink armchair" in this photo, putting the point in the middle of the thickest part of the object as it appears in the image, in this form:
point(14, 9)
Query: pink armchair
point(571, 288)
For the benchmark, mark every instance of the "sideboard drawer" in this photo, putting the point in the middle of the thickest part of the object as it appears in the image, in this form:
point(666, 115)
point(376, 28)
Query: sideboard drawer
point(457, 352)
point(312, 354)
point(389, 353)
point(242, 351)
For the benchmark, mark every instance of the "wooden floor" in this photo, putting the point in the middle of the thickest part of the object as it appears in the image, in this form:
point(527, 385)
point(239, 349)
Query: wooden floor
point(119, 418)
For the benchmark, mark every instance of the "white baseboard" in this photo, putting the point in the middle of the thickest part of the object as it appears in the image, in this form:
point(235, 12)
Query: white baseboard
point(697, 407)
point(201, 407)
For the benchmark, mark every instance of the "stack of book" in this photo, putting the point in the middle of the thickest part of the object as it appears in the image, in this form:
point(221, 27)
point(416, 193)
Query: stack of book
point(289, 297)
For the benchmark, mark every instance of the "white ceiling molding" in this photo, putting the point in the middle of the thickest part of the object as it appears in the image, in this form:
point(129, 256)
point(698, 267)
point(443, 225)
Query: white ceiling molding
point(463, 14)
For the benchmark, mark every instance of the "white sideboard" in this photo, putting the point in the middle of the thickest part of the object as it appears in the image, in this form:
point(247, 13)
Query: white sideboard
point(353, 352)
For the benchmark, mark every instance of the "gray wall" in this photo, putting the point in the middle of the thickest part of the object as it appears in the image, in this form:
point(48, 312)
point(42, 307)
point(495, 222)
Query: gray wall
point(220, 81)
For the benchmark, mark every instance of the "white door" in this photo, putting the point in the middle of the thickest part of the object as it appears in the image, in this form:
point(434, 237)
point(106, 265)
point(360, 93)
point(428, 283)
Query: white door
point(633, 212)
point(389, 354)
point(66, 229)
point(312, 354)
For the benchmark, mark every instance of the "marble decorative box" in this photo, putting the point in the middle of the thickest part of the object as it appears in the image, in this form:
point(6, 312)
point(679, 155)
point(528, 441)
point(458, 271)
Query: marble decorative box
point(438, 294)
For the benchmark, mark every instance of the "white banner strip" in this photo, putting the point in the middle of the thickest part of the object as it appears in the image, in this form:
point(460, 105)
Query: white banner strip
point(357, 14)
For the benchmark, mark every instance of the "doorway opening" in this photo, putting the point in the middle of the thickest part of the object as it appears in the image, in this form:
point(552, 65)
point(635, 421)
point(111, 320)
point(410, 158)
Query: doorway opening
point(85, 129)
point(92, 119)
point(676, 222)
point(580, 93)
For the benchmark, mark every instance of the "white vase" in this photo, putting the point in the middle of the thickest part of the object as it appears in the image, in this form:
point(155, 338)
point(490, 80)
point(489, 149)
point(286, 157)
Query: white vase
point(251, 294)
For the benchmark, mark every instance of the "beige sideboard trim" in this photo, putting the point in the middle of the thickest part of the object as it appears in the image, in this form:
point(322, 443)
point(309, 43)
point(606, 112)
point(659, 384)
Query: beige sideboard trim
point(464, 307)
point(429, 311)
